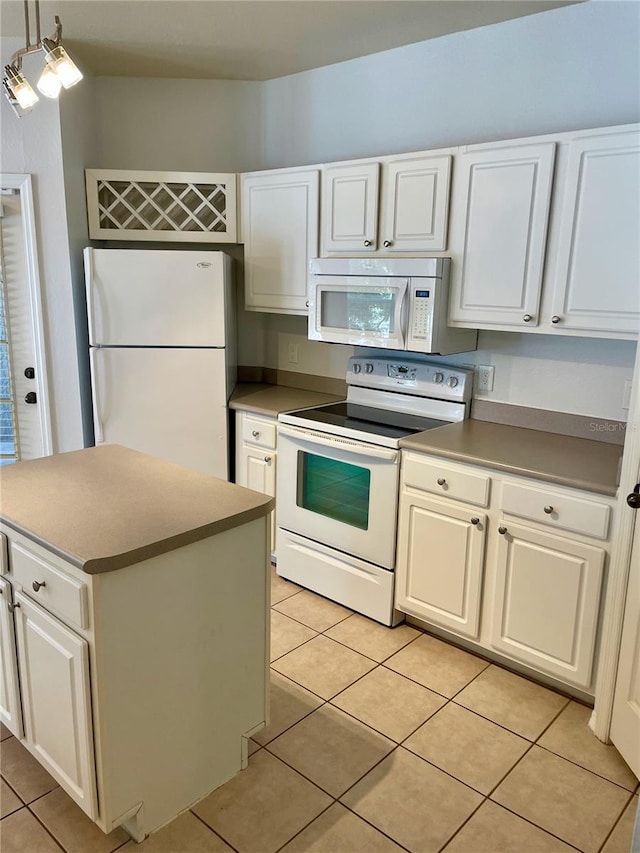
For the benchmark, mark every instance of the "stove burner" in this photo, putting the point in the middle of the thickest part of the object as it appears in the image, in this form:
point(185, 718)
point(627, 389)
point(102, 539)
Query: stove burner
point(369, 420)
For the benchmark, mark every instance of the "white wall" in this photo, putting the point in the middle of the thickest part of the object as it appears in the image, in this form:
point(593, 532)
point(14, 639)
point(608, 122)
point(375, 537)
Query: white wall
point(32, 145)
point(569, 68)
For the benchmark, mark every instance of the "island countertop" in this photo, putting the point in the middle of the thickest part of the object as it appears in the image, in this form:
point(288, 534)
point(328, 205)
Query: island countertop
point(108, 507)
point(575, 462)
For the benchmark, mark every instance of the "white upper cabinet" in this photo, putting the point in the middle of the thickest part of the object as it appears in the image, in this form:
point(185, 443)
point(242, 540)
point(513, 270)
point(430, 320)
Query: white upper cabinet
point(594, 263)
point(499, 212)
point(408, 214)
point(350, 207)
point(280, 234)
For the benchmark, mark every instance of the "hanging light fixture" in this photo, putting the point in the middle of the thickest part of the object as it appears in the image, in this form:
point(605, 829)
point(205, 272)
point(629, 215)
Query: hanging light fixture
point(60, 70)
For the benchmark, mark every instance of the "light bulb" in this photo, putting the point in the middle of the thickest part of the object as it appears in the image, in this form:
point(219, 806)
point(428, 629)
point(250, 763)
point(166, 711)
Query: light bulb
point(49, 83)
point(21, 88)
point(60, 61)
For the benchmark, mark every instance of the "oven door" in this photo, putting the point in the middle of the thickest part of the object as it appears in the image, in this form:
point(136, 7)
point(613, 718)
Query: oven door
point(358, 310)
point(339, 492)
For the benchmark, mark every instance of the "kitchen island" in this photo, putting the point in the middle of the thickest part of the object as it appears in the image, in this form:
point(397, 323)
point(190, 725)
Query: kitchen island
point(133, 608)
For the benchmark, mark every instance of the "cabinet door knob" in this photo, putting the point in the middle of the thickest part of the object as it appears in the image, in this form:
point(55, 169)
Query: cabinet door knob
point(267, 459)
point(555, 319)
point(475, 521)
point(441, 481)
point(367, 242)
point(38, 585)
point(255, 433)
point(12, 607)
point(307, 303)
point(548, 509)
point(502, 530)
point(527, 318)
point(387, 243)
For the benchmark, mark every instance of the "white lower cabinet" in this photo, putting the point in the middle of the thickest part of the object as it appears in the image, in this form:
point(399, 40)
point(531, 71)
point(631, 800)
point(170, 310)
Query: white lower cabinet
point(56, 700)
point(256, 458)
point(523, 578)
point(440, 563)
point(547, 601)
point(10, 710)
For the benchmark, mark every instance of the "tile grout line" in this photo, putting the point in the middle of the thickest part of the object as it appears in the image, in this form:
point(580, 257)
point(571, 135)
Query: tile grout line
point(212, 830)
point(582, 767)
point(45, 827)
point(611, 831)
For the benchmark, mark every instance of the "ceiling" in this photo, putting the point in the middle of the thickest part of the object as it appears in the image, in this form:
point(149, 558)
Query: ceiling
point(248, 39)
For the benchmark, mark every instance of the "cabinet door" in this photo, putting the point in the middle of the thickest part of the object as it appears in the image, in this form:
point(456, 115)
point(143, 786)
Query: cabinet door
point(280, 232)
point(10, 712)
point(499, 213)
point(546, 602)
point(440, 561)
point(256, 469)
point(597, 263)
point(350, 208)
point(415, 205)
point(56, 700)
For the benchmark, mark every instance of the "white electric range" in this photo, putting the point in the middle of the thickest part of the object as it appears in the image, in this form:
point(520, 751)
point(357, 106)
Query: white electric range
point(338, 474)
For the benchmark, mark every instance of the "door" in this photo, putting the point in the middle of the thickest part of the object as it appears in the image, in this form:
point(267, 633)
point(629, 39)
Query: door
point(10, 712)
point(25, 424)
point(440, 563)
point(357, 310)
point(280, 234)
point(625, 722)
point(350, 208)
point(547, 601)
point(500, 207)
point(415, 204)
point(339, 492)
point(138, 297)
point(54, 675)
point(170, 403)
point(597, 262)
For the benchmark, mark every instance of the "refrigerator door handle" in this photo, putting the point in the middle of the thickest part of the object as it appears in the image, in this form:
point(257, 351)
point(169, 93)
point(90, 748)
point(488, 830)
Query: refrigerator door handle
point(97, 329)
point(98, 387)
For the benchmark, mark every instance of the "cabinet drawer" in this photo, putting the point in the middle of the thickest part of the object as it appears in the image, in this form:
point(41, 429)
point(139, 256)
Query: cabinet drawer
point(48, 586)
point(446, 480)
point(258, 431)
point(556, 509)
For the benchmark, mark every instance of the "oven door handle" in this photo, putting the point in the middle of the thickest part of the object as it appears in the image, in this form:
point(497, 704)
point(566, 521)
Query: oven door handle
point(311, 437)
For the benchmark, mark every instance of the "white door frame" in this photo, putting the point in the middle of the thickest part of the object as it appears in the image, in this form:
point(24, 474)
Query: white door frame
point(618, 570)
point(22, 183)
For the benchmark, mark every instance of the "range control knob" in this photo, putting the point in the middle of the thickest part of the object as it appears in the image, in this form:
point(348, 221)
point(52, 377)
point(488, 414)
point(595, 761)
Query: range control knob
point(452, 381)
point(368, 368)
point(357, 367)
point(438, 378)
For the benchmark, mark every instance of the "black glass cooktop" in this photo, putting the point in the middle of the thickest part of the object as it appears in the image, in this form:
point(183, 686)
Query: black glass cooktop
point(365, 419)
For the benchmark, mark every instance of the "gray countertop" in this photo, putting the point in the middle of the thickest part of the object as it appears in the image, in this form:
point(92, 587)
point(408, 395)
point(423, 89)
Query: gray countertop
point(576, 462)
point(108, 507)
point(263, 399)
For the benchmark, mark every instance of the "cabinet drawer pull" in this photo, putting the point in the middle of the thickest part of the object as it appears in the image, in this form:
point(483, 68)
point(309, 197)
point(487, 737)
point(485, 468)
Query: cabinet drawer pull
point(307, 303)
point(555, 319)
point(441, 481)
point(267, 459)
point(255, 433)
point(387, 243)
point(548, 509)
point(527, 318)
point(475, 521)
point(367, 242)
point(38, 585)
point(502, 530)
point(12, 607)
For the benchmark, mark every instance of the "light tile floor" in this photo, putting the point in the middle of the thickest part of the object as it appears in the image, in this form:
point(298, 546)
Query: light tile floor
point(380, 740)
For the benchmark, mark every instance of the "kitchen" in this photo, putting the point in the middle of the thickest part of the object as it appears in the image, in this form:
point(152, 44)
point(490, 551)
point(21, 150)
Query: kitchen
point(334, 114)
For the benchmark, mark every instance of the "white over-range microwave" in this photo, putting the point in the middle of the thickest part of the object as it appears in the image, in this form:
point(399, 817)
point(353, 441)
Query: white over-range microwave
point(394, 303)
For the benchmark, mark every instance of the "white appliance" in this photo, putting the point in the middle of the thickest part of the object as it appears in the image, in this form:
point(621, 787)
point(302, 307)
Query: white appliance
point(338, 475)
point(395, 303)
point(162, 352)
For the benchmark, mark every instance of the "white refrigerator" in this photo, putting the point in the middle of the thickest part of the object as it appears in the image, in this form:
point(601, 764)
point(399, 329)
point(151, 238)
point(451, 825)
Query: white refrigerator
point(162, 352)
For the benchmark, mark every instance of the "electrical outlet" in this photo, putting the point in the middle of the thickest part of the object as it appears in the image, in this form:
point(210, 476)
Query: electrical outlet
point(292, 353)
point(626, 394)
point(485, 377)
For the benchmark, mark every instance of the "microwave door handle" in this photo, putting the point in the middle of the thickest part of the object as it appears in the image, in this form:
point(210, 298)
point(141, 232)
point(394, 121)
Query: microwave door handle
point(399, 319)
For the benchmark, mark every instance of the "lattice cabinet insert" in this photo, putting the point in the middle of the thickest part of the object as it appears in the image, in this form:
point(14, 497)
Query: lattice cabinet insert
point(194, 207)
